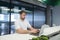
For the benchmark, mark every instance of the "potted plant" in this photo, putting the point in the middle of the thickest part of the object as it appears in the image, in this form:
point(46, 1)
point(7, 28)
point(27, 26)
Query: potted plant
point(42, 37)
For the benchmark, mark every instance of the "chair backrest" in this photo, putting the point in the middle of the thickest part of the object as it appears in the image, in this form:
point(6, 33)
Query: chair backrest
point(42, 29)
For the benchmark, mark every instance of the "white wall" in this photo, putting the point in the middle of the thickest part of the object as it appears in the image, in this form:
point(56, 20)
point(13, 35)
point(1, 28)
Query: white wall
point(56, 15)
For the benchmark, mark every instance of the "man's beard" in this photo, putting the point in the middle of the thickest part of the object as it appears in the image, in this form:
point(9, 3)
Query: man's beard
point(23, 18)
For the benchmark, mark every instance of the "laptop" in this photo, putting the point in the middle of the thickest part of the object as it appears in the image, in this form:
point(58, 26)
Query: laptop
point(41, 30)
point(49, 31)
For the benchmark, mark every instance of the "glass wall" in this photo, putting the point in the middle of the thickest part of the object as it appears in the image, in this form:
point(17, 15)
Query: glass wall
point(39, 18)
point(4, 20)
point(36, 17)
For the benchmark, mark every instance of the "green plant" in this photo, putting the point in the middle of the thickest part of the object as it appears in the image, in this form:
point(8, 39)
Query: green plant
point(42, 37)
point(51, 2)
point(35, 38)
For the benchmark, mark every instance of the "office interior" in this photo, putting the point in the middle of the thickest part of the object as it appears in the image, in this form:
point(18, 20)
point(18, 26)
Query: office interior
point(36, 14)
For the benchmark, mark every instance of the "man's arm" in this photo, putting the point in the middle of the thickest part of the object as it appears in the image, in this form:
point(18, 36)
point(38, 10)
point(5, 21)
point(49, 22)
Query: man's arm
point(21, 31)
point(31, 28)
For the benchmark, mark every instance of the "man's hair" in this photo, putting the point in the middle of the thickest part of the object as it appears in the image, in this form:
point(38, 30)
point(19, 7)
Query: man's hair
point(22, 11)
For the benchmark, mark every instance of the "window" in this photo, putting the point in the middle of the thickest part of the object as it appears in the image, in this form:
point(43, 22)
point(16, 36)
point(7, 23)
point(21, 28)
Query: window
point(39, 18)
point(4, 20)
point(36, 17)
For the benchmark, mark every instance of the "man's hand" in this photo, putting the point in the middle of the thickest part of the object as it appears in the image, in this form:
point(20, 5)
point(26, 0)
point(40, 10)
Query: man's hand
point(37, 30)
point(34, 31)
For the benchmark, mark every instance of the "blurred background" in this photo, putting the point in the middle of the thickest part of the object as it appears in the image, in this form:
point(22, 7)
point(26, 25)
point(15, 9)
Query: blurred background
point(39, 12)
point(9, 13)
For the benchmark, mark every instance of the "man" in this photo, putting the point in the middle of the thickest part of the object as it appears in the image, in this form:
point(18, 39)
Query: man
point(22, 24)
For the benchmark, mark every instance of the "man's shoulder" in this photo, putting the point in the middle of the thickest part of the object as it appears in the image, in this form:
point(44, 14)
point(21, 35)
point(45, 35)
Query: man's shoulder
point(26, 20)
point(17, 20)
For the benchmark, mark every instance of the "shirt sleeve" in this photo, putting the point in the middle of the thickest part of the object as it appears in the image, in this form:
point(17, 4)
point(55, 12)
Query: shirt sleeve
point(17, 25)
point(28, 24)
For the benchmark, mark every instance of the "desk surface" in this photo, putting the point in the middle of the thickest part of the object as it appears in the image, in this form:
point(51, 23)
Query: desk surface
point(16, 36)
point(24, 37)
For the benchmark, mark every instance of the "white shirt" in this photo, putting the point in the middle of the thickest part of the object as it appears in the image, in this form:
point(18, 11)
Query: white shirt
point(22, 24)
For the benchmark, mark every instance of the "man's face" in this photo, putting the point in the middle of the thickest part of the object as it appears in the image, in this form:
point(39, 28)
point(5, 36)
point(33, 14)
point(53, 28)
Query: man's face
point(23, 15)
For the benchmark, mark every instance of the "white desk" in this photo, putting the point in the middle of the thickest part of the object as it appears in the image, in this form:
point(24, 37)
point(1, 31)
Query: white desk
point(16, 36)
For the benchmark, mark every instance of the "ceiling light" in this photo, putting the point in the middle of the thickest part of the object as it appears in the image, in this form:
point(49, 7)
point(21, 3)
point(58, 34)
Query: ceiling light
point(4, 8)
point(41, 0)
